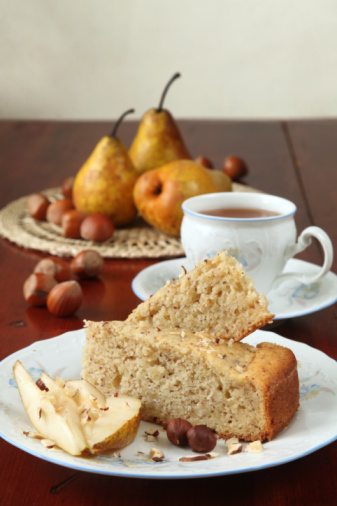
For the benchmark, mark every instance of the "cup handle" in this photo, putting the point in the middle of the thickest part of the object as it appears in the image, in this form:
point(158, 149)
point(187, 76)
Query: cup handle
point(304, 240)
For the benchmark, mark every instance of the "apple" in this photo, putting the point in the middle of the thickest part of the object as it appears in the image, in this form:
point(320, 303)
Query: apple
point(159, 193)
point(75, 415)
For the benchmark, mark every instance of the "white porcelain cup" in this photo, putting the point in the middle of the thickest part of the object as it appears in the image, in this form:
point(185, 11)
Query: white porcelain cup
point(263, 245)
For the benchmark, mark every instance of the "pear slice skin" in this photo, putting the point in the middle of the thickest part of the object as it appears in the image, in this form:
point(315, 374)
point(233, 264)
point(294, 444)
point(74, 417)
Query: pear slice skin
point(54, 416)
point(117, 421)
point(77, 416)
point(117, 427)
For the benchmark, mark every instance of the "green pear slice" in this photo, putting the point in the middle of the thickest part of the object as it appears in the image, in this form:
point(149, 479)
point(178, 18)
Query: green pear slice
point(52, 413)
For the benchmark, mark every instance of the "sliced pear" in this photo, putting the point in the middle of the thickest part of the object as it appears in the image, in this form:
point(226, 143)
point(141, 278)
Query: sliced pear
point(53, 415)
point(77, 416)
point(83, 392)
point(106, 422)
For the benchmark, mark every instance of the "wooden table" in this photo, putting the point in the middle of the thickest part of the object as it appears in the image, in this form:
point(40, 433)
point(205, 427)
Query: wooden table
point(296, 160)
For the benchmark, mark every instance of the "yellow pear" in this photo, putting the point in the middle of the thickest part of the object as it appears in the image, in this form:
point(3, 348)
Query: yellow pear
point(158, 140)
point(159, 193)
point(105, 182)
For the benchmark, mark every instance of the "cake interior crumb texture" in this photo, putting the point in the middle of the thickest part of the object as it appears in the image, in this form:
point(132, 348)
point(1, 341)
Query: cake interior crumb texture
point(216, 295)
point(236, 389)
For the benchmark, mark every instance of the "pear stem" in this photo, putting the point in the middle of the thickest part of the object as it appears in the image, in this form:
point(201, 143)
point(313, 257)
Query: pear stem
point(173, 78)
point(119, 121)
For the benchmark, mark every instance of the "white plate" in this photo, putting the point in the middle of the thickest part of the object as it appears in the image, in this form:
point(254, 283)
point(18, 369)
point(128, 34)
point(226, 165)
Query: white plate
point(289, 300)
point(313, 427)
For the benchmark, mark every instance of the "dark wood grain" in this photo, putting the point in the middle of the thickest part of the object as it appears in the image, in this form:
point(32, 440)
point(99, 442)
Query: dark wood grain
point(296, 160)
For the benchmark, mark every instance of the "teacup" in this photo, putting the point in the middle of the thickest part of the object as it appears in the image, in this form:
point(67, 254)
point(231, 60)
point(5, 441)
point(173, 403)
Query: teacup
point(262, 243)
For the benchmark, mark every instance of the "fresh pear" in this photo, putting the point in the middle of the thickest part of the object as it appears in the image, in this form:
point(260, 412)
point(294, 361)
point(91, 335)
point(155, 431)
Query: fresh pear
point(159, 193)
point(105, 182)
point(75, 415)
point(158, 140)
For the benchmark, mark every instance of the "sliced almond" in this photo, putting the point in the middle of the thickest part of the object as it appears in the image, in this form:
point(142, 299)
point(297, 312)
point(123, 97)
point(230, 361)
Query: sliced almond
point(254, 447)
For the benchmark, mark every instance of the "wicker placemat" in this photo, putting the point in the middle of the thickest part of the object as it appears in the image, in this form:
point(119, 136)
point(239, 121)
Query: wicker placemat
point(137, 241)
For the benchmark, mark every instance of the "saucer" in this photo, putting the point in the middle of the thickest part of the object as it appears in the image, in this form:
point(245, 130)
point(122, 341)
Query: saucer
point(291, 299)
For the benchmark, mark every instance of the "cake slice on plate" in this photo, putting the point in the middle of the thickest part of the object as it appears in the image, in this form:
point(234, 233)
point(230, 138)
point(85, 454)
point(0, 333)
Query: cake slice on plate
point(235, 389)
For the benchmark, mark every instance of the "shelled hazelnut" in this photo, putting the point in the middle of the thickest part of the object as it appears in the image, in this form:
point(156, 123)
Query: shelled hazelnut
point(37, 206)
point(177, 431)
point(54, 267)
point(87, 264)
point(201, 438)
point(71, 223)
point(37, 287)
point(97, 227)
point(65, 298)
point(57, 209)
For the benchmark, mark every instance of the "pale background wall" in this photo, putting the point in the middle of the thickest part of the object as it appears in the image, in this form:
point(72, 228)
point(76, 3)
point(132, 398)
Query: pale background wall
point(93, 59)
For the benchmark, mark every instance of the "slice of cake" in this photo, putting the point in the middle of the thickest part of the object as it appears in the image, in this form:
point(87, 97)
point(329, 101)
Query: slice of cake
point(234, 388)
point(217, 295)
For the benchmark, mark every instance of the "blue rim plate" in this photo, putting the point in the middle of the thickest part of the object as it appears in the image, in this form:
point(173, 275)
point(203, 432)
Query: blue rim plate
point(313, 427)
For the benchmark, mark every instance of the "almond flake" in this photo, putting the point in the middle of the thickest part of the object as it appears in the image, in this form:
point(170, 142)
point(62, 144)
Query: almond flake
point(152, 432)
point(234, 448)
point(156, 455)
point(48, 443)
point(32, 435)
point(232, 440)
point(254, 447)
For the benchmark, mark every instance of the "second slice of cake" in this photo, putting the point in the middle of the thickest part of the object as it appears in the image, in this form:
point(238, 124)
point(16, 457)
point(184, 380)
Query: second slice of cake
point(217, 295)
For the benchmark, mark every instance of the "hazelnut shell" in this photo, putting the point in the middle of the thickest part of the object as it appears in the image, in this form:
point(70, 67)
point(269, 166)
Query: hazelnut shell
point(55, 267)
point(37, 287)
point(56, 210)
point(97, 227)
point(234, 167)
point(37, 206)
point(87, 264)
point(71, 223)
point(65, 298)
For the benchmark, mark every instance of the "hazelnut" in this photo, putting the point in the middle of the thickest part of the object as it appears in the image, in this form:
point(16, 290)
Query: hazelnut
point(204, 162)
point(67, 187)
point(87, 264)
point(234, 167)
point(37, 287)
point(71, 223)
point(201, 438)
point(176, 431)
point(97, 227)
point(54, 267)
point(65, 298)
point(56, 210)
point(37, 206)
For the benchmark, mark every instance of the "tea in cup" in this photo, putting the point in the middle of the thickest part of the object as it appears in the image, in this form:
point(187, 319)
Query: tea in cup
point(256, 228)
